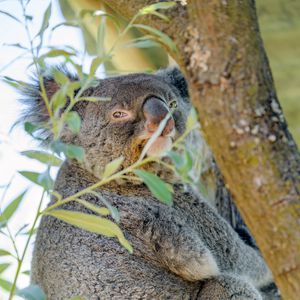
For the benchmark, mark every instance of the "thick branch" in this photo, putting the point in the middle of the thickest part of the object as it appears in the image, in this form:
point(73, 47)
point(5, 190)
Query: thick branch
point(232, 88)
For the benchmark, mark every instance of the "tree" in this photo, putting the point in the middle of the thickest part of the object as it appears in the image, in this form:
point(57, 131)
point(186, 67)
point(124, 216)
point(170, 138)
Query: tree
point(222, 55)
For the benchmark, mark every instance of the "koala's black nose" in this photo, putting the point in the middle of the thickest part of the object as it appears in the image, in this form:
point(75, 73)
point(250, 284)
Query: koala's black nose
point(155, 110)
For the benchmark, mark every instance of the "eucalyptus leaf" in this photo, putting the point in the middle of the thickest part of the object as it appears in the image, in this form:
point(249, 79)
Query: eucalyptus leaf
point(3, 267)
point(27, 272)
point(94, 99)
point(17, 45)
point(192, 119)
point(42, 179)
point(30, 128)
point(142, 44)
point(96, 62)
point(10, 16)
point(73, 23)
point(45, 22)
point(161, 190)
point(4, 253)
point(56, 53)
point(165, 39)
point(101, 37)
point(112, 167)
point(17, 84)
point(160, 5)
point(60, 77)
point(73, 120)
point(176, 159)
point(93, 224)
point(32, 292)
point(5, 284)
point(43, 157)
point(71, 151)
point(11, 208)
point(58, 100)
point(97, 209)
point(113, 210)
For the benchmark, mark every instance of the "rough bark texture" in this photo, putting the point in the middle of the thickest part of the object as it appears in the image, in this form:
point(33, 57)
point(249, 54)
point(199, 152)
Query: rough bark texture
point(231, 86)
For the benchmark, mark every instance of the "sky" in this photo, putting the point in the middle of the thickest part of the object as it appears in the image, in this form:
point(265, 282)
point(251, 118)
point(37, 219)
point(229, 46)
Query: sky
point(12, 142)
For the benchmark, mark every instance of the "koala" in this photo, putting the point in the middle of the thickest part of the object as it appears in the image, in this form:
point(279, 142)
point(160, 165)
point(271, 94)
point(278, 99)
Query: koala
point(183, 251)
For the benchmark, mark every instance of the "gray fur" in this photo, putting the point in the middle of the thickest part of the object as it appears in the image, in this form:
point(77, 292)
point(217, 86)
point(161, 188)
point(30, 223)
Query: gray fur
point(186, 251)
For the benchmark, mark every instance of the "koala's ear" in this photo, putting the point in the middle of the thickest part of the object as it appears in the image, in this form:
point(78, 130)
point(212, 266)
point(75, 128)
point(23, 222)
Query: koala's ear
point(174, 77)
point(34, 108)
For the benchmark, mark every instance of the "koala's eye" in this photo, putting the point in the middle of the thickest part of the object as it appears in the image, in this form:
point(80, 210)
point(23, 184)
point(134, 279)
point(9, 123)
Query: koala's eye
point(173, 104)
point(119, 114)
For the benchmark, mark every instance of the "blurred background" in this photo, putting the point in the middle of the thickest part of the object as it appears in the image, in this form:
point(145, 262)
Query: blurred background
point(280, 29)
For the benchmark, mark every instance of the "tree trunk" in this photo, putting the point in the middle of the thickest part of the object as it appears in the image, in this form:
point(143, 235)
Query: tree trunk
point(231, 86)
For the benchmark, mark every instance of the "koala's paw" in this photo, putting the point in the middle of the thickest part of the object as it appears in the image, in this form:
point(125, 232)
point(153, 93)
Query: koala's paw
point(228, 287)
point(194, 266)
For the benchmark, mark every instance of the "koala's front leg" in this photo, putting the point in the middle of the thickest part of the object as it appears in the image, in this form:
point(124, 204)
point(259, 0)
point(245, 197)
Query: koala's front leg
point(183, 252)
point(228, 287)
point(232, 254)
point(174, 242)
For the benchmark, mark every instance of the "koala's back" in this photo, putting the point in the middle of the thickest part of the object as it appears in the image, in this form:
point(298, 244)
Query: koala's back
point(70, 261)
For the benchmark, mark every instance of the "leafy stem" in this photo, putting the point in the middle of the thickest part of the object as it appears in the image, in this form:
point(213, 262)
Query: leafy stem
point(20, 260)
point(99, 183)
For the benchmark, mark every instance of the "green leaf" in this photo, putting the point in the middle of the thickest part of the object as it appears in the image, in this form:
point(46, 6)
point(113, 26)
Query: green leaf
point(45, 22)
point(17, 45)
point(10, 15)
point(188, 161)
point(30, 128)
point(43, 179)
point(3, 267)
point(192, 119)
point(43, 157)
point(161, 190)
point(112, 167)
point(163, 38)
point(94, 99)
point(4, 253)
point(77, 298)
point(153, 7)
point(11, 208)
point(176, 159)
point(60, 77)
point(142, 44)
point(71, 151)
point(17, 84)
point(93, 224)
point(5, 285)
point(73, 23)
point(26, 272)
point(59, 99)
point(56, 53)
point(73, 120)
point(161, 16)
point(101, 37)
point(99, 210)
point(32, 292)
point(113, 210)
point(96, 62)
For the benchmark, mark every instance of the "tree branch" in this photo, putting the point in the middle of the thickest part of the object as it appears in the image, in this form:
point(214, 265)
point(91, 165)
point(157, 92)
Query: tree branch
point(231, 86)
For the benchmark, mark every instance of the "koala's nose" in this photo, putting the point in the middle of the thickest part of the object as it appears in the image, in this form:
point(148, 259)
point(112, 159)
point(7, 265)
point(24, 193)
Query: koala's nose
point(155, 110)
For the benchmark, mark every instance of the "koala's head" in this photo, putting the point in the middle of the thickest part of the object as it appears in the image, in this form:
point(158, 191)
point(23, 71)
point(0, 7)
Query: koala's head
point(124, 124)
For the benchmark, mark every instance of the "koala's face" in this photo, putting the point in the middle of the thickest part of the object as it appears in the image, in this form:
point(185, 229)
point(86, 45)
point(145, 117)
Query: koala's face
point(123, 125)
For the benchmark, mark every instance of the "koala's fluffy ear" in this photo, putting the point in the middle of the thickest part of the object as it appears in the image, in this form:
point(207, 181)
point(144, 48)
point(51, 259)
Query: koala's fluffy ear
point(174, 77)
point(34, 109)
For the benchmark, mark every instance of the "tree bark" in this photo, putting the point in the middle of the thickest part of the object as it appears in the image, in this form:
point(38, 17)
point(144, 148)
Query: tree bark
point(231, 86)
